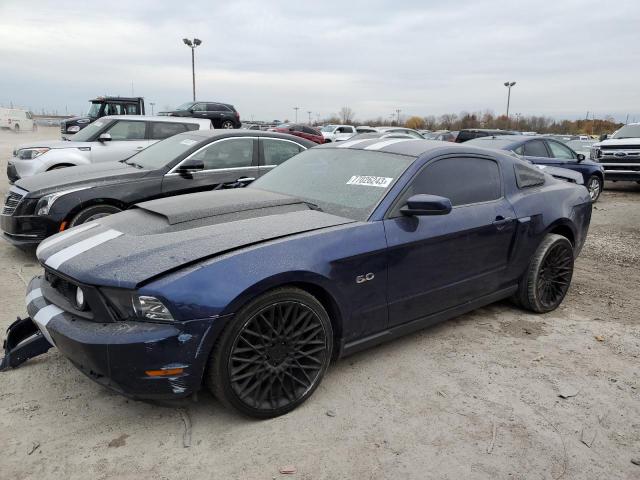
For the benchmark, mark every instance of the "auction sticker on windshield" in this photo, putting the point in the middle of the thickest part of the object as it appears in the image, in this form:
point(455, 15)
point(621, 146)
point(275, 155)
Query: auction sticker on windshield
point(369, 181)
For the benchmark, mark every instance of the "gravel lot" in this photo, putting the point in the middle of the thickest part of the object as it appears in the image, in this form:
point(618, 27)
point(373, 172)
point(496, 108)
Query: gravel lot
point(475, 397)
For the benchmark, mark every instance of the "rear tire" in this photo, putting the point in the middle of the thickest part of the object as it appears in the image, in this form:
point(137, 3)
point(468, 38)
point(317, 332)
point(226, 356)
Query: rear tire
point(272, 355)
point(16, 128)
point(594, 185)
point(227, 124)
point(93, 213)
point(548, 276)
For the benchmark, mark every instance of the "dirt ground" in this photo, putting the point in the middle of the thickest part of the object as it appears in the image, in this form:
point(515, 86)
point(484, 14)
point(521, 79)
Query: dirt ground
point(476, 397)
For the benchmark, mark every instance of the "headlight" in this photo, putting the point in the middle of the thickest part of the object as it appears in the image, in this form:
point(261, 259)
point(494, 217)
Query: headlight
point(131, 306)
point(31, 153)
point(45, 203)
point(73, 129)
point(151, 308)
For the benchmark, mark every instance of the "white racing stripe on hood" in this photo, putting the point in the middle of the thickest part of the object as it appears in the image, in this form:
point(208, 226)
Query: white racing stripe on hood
point(351, 143)
point(43, 317)
point(58, 258)
point(379, 145)
point(33, 294)
point(64, 236)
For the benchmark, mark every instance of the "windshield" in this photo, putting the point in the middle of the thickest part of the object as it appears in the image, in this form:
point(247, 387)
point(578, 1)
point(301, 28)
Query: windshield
point(162, 153)
point(89, 131)
point(581, 146)
point(628, 131)
point(184, 106)
point(94, 110)
point(348, 183)
point(328, 128)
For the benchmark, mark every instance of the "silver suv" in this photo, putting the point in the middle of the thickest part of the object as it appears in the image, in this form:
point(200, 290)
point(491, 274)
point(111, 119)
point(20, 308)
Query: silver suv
point(107, 139)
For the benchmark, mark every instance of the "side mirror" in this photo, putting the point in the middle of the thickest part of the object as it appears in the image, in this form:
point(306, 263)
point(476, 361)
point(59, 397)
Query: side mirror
point(604, 136)
point(104, 137)
point(190, 166)
point(581, 157)
point(426, 205)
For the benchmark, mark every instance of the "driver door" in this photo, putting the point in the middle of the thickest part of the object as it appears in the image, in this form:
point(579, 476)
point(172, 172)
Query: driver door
point(441, 261)
point(225, 162)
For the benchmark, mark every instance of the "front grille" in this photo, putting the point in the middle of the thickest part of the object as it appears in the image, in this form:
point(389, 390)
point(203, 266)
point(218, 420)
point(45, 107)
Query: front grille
point(62, 286)
point(11, 202)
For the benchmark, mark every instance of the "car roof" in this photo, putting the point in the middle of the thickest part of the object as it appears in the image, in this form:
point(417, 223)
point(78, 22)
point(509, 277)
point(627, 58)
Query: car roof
point(158, 118)
point(412, 147)
point(242, 132)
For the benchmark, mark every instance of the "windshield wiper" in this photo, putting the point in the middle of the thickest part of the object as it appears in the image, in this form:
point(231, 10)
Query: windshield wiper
point(313, 206)
point(133, 164)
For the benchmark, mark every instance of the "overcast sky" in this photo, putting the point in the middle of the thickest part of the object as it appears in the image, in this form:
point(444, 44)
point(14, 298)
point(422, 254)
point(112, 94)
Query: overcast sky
point(265, 57)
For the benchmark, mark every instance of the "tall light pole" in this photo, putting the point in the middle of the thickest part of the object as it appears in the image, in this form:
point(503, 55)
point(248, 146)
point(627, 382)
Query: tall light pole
point(296, 109)
point(152, 105)
point(192, 44)
point(309, 112)
point(508, 85)
point(398, 113)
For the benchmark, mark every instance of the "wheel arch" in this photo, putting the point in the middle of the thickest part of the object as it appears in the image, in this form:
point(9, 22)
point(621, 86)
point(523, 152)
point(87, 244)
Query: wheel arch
point(94, 202)
point(61, 165)
point(564, 228)
point(310, 282)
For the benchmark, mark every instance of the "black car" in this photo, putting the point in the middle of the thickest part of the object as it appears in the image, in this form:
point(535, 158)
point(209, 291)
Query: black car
point(222, 115)
point(39, 206)
point(549, 152)
point(467, 134)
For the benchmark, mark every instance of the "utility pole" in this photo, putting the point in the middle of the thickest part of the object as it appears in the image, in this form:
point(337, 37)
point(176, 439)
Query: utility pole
point(192, 44)
point(398, 113)
point(296, 109)
point(152, 105)
point(309, 112)
point(508, 85)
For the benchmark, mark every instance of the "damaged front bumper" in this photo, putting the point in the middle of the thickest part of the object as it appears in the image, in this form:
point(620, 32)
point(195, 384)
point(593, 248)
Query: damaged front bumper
point(121, 355)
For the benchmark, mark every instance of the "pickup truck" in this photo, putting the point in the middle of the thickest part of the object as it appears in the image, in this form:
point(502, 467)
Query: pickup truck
point(619, 154)
point(101, 107)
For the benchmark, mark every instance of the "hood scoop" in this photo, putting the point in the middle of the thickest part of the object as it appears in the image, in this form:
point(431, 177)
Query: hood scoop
point(188, 208)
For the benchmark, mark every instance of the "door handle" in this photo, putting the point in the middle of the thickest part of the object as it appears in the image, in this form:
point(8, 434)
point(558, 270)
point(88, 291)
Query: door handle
point(500, 222)
point(139, 148)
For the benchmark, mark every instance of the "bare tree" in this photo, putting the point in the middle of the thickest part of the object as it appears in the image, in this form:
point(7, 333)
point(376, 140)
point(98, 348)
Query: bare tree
point(347, 114)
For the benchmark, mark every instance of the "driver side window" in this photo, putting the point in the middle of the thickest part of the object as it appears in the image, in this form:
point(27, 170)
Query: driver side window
point(232, 153)
point(127, 130)
point(464, 181)
point(560, 151)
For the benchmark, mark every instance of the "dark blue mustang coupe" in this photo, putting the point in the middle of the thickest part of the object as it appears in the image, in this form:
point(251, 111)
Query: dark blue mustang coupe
point(253, 291)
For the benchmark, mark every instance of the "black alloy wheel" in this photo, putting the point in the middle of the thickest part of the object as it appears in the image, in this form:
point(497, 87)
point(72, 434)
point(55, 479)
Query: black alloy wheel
point(548, 276)
point(273, 354)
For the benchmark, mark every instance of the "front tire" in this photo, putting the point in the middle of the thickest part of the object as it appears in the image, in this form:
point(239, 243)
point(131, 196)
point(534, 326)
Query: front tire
point(16, 128)
point(273, 355)
point(594, 185)
point(547, 279)
point(93, 213)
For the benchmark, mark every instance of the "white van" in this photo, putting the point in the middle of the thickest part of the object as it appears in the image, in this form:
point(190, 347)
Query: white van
point(16, 119)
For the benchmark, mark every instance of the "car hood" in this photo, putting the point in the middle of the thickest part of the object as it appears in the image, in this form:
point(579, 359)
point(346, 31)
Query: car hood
point(95, 174)
point(135, 246)
point(54, 144)
point(613, 142)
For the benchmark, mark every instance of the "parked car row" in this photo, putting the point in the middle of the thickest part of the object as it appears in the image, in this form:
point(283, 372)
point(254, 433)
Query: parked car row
point(252, 292)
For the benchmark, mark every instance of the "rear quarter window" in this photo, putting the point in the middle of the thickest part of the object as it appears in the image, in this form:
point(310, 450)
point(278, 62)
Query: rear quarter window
point(527, 177)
